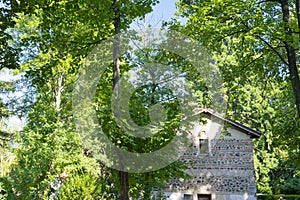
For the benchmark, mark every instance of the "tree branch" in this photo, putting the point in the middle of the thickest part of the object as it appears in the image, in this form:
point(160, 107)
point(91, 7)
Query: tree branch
point(253, 61)
point(233, 33)
point(265, 1)
point(268, 44)
point(274, 50)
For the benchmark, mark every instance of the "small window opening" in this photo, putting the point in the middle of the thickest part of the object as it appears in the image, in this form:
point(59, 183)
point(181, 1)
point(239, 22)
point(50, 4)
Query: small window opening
point(187, 197)
point(204, 197)
point(203, 146)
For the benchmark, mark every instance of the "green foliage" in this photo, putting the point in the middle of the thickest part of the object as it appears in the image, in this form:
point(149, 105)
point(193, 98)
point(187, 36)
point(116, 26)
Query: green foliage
point(275, 197)
point(3, 192)
point(6, 158)
point(5, 188)
point(143, 184)
point(291, 186)
point(140, 103)
point(9, 54)
point(42, 156)
point(246, 41)
point(85, 186)
point(56, 36)
point(6, 88)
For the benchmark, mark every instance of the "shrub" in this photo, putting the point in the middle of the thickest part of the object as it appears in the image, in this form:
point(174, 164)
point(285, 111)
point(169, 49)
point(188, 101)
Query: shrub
point(277, 197)
point(81, 186)
point(3, 193)
point(291, 186)
point(5, 188)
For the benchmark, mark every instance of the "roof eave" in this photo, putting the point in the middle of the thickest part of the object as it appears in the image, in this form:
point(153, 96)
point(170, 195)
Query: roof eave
point(253, 133)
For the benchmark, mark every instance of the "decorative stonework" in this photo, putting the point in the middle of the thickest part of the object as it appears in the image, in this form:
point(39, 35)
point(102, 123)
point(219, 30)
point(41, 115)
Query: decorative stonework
point(224, 154)
point(227, 169)
point(225, 172)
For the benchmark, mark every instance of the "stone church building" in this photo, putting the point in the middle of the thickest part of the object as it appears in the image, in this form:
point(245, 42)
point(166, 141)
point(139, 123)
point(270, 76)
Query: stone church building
point(220, 163)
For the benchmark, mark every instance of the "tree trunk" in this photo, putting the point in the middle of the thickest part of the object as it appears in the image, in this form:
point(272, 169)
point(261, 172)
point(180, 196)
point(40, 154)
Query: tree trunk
point(124, 185)
point(298, 16)
point(58, 91)
point(123, 176)
point(291, 53)
point(147, 188)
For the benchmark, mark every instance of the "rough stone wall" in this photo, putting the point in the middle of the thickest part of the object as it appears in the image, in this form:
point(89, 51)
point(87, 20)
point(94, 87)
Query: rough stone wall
point(227, 169)
point(224, 154)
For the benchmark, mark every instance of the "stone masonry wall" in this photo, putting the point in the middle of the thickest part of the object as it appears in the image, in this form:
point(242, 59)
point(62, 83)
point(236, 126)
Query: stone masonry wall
point(227, 169)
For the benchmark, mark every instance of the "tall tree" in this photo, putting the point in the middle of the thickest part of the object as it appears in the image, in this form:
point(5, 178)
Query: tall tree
point(8, 55)
point(290, 47)
point(55, 37)
point(251, 29)
point(124, 179)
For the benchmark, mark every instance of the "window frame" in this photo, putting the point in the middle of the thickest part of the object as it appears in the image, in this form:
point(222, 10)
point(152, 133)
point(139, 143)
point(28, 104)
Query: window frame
point(188, 195)
point(207, 143)
point(204, 196)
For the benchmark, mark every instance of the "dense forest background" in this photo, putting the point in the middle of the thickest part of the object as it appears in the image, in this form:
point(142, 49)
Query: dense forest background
point(255, 45)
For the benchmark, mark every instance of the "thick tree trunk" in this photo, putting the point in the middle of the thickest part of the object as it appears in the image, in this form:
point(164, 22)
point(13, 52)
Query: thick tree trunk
point(123, 176)
point(298, 16)
point(124, 185)
point(291, 53)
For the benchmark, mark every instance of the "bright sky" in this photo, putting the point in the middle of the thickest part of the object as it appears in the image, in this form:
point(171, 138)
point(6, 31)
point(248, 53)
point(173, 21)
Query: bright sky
point(163, 11)
point(5, 75)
